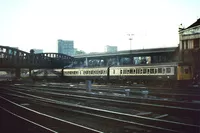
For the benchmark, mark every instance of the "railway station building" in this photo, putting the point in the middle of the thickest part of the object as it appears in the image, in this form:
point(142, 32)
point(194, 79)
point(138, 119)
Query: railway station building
point(189, 45)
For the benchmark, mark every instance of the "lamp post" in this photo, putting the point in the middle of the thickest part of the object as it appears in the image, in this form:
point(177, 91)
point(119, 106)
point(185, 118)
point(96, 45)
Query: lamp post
point(130, 38)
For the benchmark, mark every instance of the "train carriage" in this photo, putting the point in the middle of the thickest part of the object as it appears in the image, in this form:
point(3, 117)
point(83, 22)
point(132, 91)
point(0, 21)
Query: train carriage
point(172, 73)
point(82, 74)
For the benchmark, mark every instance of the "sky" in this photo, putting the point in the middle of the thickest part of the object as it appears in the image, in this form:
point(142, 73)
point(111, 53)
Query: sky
point(93, 24)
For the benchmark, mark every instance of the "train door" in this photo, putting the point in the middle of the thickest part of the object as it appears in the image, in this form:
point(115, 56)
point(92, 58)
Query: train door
point(148, 71)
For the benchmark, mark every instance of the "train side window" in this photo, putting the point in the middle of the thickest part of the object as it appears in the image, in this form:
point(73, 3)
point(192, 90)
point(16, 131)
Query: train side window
point(92, 72)
point(113, 71)
point(159, 70)
point(148, 70)
point(163, 70)
point(124, 71)
point(141, 71)
point(168, 70)
point(151, 70)
point(156, 70)
point(144, 71)
point(131, 71)
point(128, 71)
point(101, 71)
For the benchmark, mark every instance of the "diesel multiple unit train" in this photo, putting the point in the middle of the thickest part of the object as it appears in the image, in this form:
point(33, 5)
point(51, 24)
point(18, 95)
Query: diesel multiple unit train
point(172, 73)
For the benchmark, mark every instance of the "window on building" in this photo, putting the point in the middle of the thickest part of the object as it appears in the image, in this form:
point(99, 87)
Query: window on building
point(196, 43)
point(190, 44)
point(186, 44)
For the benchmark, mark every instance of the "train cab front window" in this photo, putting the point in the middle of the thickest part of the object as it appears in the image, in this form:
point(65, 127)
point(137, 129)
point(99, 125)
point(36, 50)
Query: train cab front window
point(186, 70)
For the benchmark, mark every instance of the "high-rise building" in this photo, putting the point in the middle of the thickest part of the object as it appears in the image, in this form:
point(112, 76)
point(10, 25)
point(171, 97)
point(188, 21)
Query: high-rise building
point(38, 51)
point(110, 48)
point(66, 47)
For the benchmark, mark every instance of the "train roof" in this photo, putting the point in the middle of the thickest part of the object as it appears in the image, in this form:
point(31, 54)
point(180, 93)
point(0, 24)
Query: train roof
point(139, 65)
point(156, 64)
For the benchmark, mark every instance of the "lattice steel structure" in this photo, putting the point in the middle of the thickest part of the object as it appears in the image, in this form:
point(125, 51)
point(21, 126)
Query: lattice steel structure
point(14, 58)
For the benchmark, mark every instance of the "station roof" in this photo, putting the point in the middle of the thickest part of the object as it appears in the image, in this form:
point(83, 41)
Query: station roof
point(194, 24)
point(128, 52)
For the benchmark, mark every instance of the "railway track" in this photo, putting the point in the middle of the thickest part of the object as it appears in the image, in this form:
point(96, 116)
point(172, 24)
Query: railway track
point(179, 95)
point(97, 93)
point(173, 126)
point(121, 102)
point(46, 122)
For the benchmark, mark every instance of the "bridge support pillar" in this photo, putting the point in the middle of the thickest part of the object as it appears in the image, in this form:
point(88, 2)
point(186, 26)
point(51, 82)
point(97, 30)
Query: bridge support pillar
point(62, 73)
point(17, 72)
point(86, 62)
point(131, 60)
point(118, 60)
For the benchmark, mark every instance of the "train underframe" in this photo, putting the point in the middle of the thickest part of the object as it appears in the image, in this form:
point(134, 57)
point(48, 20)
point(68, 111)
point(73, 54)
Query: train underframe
point(151, 81)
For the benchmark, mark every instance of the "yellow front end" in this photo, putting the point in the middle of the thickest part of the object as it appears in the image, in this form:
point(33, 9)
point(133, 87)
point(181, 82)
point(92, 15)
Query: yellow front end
point(184, 73)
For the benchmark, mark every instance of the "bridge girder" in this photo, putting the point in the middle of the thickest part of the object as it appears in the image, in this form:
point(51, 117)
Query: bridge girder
point(15, 58)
